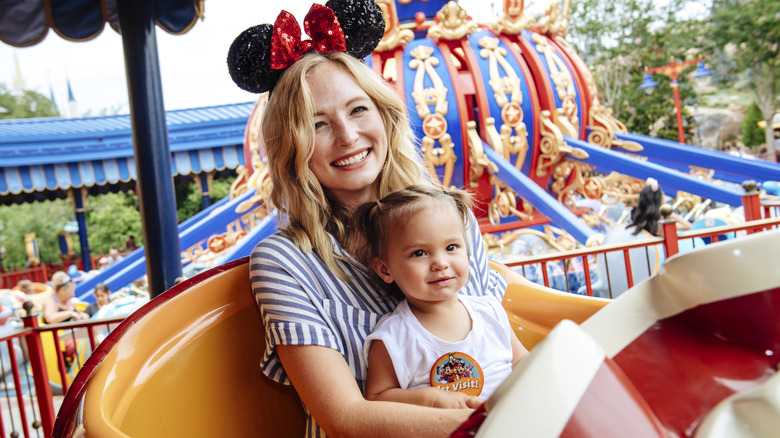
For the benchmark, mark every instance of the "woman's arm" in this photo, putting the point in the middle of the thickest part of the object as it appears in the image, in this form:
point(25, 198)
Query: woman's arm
point(382, 385)
point(681, 223)
point(52, 315)
point(324, 382)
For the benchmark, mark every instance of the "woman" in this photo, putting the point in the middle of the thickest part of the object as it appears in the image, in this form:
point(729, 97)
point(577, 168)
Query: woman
point(60, 307)
point(336, 136)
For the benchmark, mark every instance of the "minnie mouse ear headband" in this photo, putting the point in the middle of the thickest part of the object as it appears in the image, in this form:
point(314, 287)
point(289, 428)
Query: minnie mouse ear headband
point(258, 57)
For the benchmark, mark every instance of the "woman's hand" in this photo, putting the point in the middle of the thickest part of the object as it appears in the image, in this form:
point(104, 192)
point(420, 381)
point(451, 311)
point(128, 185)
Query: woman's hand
point(327, 387)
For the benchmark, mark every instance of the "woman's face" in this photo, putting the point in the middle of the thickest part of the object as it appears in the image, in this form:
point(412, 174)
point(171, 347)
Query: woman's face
point(350, 143)
point(69, 290)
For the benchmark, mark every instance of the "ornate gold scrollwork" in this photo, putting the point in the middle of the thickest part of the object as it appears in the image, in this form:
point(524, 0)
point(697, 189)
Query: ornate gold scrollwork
point(479, 161)
point(504, 201)
point(434, 124)
point(454, 23)
point(394, 36)
point(566, 116)
point(556, 238)
point(511, 108)
point(552, 147)
point(702, 173)
point(603, 127)
point(553, 24)
point(612, 188)
point(514, 19)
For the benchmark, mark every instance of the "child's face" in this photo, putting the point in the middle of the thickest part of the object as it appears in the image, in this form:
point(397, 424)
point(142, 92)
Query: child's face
point(101, 298)
point(427, 257)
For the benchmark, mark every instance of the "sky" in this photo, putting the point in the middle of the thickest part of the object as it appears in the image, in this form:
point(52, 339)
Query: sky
point(193, 69)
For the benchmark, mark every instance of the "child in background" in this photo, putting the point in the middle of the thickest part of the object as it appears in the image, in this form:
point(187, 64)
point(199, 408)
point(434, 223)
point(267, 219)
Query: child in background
point(102, 295)
point(438, 348)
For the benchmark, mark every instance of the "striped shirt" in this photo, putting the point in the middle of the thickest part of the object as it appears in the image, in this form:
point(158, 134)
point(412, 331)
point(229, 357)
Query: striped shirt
point(303, 303)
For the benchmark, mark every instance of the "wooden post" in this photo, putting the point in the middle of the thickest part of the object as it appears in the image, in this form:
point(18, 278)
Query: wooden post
point(669, 230)
point(751, 202)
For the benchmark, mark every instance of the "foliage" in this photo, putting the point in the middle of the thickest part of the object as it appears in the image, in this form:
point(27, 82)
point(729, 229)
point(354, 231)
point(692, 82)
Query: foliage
point(110, 219)
point(189, 200)
point(752, 134)
point(749, 31)
point(45, 219)
point(26, 105)
point(619, 40)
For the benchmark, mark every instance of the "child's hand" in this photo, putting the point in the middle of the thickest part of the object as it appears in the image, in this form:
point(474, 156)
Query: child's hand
point(454, 400)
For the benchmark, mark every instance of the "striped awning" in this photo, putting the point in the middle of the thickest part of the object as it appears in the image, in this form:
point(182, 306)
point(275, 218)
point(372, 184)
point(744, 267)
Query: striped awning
point(50, 155)
point(27, 22)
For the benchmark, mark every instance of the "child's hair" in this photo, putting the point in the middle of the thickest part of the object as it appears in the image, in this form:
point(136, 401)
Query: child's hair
point(377, 220)
point(647, 213)
point(102, 287)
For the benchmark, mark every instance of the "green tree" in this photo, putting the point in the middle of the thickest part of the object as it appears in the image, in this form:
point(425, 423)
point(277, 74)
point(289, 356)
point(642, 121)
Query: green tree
point(45, 219)
point(189, 200)
point(752, 134)
point(619, 40)
point(26, 105)
point(749, 31)
point(110, 219)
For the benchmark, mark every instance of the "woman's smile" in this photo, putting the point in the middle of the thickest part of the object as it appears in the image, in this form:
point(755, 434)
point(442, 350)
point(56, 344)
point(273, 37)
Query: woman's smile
point(357, 158)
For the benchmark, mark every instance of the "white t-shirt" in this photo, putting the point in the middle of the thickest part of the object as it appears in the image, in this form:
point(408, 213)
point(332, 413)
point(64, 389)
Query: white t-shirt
point(476, 365)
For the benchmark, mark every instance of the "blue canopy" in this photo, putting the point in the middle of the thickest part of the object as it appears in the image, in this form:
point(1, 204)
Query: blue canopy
point(26, 22)
point(43, 158)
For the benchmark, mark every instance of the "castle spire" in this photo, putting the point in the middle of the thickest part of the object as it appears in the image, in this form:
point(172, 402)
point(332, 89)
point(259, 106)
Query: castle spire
point(73, 108)
point(18, 86)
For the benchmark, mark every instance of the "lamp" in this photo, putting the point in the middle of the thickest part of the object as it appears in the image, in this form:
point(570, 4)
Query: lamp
point(648, 84)
point(701, 71)
point(672, 70)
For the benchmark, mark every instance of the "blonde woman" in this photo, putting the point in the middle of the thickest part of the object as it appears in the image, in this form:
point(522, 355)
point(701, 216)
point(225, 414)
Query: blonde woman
point(336, 136)
point(60, 307)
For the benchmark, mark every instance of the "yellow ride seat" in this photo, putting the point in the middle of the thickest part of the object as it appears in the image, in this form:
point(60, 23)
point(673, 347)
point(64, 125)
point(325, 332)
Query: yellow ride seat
point(187, 364)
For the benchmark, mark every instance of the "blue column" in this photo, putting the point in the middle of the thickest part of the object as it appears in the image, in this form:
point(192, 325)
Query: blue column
point(150, 142)
point(78, 203)
point(205, 190)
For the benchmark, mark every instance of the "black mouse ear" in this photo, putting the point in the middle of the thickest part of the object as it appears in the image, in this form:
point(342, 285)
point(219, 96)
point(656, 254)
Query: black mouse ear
point(249, 60)
point(362, 23)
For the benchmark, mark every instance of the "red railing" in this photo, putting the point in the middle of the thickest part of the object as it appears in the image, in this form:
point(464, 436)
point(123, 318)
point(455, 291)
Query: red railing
point(39, 274)
point(764, 217)
point(28, 402)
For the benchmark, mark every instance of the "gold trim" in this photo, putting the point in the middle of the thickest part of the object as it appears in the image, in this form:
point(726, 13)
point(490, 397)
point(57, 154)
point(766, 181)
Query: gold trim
point(603, 127)
point(566, 116)
point(553, 24)
point(394, 36)
point(513, 138)
point(514, 20)
point(453, 23)
point(552, 147)
point(434, 123)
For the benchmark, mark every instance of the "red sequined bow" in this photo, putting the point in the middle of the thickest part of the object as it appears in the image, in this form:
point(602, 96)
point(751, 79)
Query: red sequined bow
point(320, 23)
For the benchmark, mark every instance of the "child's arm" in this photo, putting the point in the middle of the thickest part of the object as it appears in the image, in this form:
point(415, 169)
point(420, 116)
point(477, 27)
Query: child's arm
point(382, 384)
point(518, 350)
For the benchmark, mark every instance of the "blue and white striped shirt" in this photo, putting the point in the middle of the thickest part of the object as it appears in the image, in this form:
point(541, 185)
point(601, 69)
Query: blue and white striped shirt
point(303, 303)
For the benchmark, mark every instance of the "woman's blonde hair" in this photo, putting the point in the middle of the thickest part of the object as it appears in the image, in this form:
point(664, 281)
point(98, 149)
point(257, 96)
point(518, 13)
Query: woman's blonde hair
point(306, 210)
point(59, 280)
